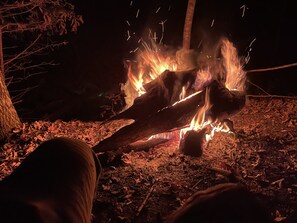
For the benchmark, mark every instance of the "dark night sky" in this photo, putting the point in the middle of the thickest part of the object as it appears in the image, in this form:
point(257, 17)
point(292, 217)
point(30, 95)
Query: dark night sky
point(92, 62)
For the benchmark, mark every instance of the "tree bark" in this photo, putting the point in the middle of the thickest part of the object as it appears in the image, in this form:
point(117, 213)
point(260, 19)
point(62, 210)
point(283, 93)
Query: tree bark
point(188, 24)
point(1, 52)
point(186, 58)
point(9, 118)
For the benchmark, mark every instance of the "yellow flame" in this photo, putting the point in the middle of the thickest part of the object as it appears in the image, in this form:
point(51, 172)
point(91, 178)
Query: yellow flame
point(199, 122)
point(235, 76)
point(136, 81)
point(155, 63)
point(183, 93)
point(203, 76)
point(216, 128)
point(151, 62)
point(235, 80)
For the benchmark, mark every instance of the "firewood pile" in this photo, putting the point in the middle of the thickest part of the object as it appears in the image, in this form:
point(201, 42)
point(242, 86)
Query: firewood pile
point(159, 110)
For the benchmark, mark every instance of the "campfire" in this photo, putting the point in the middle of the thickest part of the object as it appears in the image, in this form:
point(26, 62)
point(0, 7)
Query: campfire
point(161, 98)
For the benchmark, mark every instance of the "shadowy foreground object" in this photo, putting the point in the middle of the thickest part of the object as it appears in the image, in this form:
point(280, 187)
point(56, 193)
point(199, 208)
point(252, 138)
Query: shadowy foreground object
point(224, 203)
point(55, 184)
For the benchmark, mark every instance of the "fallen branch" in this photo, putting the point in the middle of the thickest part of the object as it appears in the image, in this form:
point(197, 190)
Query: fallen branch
point(272, 68)
point(271, 96)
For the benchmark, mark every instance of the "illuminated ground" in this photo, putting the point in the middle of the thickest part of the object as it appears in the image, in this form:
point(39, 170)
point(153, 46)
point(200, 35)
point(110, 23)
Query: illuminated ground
point(262, 155)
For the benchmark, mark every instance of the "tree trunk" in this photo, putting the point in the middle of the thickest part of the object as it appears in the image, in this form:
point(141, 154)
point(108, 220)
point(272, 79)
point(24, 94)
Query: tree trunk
point(1, 52)
point(186, 58)
point(188, 24)
point(9, 118)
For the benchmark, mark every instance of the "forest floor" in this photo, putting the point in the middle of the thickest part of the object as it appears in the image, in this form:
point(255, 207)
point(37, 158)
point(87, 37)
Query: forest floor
point(146, 186)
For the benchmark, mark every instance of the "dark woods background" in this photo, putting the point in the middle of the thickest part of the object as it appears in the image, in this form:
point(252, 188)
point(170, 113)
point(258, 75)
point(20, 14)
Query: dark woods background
point(91, 67)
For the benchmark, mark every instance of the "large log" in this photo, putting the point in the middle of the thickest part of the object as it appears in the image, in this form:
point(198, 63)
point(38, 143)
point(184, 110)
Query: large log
point(225, 103)
point(161, 92)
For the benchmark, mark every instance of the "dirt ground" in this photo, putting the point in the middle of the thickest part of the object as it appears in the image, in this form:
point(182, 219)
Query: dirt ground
point(146, 186)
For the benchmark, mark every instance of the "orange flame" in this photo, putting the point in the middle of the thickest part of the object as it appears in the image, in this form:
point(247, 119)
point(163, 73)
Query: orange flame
point(216, 128)
point(136, 81)
point(199, 121)
point(235, 81)
point(152, 62)
point(202, 78)
point(155, 62)
point(235, 76)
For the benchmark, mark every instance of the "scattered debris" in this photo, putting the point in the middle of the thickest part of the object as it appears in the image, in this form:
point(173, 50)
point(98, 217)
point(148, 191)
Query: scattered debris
point(261, 154)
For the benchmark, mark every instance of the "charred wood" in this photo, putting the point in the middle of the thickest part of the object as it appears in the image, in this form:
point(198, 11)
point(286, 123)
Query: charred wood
point(193, 142)
point(225, 103)
point(160, 93)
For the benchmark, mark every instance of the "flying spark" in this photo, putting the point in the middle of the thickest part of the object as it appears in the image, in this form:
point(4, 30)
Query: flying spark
point(243, 7)
point(199, 44)
point(212, 23)
point(158, 10)
point(128, 35)
point(252, 42)
point(137, 13)
point(248, 56)
point(162, 23)
point(133, 51)
point(155, 37)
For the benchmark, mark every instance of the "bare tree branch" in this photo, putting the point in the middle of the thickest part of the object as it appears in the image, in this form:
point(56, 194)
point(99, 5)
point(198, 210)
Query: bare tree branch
point(23, 52)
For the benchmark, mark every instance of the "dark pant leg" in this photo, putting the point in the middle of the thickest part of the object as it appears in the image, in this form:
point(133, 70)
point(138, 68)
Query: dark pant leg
point(57, 182)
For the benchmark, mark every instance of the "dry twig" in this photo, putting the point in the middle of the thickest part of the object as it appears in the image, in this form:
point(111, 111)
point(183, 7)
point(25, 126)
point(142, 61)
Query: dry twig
point(146, 198)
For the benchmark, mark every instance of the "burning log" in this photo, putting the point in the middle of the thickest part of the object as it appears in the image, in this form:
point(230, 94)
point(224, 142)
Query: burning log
point(160, 93)
point(225, 103)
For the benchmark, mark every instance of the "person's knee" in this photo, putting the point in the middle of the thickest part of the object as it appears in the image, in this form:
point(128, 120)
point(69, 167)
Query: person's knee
point(60, 171)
